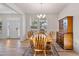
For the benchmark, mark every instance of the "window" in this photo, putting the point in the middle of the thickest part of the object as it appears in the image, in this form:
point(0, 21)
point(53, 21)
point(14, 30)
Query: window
point(34, 24)
point(39, 24)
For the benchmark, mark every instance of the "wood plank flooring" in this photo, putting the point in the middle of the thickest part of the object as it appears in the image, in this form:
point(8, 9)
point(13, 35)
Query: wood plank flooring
point(14, 47)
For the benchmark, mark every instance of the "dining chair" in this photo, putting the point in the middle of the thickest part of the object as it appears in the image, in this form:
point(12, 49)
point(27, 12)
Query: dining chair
point(30, 33)
point(39, 44)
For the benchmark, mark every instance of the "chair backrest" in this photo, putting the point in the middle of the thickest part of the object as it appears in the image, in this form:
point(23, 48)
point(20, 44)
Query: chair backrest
point(30, 33)
point(40, 41)
point(50, 34)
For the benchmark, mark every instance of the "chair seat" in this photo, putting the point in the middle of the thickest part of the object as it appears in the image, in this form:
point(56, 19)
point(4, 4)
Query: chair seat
point(38, 50)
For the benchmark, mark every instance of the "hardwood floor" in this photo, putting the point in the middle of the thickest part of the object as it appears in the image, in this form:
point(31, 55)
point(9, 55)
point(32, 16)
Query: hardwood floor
point(63, 52)
point(14, 47)
point(10, 47)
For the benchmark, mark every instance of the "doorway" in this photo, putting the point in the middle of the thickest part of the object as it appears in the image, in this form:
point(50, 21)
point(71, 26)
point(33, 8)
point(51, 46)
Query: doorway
point(13, 29)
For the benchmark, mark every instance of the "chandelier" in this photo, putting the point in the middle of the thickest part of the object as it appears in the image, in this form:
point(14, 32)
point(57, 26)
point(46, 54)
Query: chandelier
point(41, 15)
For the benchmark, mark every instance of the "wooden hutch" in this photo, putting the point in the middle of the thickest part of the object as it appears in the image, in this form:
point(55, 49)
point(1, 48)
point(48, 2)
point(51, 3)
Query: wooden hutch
point(65, 34)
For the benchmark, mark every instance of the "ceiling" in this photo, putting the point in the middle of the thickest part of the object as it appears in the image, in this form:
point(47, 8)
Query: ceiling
point(49, 8)
point(6, 10)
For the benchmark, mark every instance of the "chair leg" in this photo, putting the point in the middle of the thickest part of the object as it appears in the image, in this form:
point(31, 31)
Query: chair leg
point(44, 52)
point(34, 53)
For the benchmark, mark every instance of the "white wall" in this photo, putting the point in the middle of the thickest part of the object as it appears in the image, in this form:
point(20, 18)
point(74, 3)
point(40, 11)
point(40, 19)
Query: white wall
point(73, 10)
point(52, 23)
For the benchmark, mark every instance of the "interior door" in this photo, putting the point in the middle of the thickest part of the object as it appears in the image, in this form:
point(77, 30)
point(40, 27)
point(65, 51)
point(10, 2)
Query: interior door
point(13, 29)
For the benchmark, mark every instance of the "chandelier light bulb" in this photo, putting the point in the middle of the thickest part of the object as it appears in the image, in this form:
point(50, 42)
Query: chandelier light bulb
point(44, 16)
point(40, 15)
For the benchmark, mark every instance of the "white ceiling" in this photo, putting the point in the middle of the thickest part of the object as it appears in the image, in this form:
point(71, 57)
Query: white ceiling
point(6, 10)
point(38, 7)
